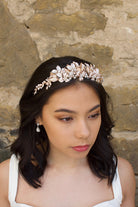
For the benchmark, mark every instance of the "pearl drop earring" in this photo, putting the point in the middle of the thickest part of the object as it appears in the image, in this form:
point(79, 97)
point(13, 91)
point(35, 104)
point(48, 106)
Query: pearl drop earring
point(37, 127)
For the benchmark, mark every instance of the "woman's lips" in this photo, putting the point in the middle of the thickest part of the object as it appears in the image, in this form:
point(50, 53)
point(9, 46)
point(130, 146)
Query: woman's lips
point(81, 148)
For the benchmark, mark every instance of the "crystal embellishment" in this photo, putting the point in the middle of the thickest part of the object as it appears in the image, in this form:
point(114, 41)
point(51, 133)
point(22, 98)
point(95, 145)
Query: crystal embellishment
point(73, 71)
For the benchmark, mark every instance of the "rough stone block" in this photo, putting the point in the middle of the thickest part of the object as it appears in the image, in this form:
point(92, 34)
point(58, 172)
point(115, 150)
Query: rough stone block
point(4, 154)
point(21, 10)
point(4, 147)
point(92, 4)
point(82, 22)
point(99, 55)
point(48, 5)
point(125, 106)
point(9, 100)
point(9, 117)
point(125, 145)
point(18, 53)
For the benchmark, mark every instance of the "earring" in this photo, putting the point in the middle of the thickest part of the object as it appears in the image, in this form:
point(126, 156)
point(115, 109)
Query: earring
point(37, 127)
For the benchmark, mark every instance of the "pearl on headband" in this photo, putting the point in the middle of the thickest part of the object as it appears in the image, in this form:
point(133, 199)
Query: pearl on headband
point(69, 72)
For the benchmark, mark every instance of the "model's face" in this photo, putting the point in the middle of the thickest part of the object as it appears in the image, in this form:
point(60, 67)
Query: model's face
point(72, 120)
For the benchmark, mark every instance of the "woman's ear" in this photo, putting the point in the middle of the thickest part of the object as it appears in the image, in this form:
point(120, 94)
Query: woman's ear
point(39, 120)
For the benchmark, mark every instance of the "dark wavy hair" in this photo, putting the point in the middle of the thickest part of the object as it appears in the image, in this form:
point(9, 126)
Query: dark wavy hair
point(33, 148)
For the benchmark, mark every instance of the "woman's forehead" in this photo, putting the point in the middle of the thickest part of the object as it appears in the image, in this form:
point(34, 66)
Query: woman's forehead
point(74, 96)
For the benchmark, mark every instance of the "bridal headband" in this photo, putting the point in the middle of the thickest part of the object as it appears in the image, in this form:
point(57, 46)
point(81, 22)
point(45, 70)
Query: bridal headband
point(72, 71)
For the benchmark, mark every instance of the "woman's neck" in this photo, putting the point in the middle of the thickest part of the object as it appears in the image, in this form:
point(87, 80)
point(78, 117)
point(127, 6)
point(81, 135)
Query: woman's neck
point(63, 162)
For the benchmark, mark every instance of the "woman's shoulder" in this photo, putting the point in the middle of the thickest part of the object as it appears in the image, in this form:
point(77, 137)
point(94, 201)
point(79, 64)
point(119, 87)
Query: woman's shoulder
point(4, 169)
point(124, 164)
point(127, 178)
point(125, 168)
point(4, 178)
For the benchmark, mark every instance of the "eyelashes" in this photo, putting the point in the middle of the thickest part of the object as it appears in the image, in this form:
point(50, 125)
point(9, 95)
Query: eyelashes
point(69, 119)
point(66, 119)
point(95, 115)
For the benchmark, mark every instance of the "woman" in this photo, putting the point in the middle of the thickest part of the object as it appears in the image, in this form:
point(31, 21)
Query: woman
point(63, 156)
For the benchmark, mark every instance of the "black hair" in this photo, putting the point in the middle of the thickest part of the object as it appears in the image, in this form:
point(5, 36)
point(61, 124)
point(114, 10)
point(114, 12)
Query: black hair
point(33, 148)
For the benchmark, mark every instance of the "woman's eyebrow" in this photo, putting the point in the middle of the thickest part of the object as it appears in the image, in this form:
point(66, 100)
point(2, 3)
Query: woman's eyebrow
point(65, 110)
point(93, 108)
point(74, 112)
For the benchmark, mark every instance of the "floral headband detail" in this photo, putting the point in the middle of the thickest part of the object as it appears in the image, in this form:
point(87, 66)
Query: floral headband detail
point(73, 71)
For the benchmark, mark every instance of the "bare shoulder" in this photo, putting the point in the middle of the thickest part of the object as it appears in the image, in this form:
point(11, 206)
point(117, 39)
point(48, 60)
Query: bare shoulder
point(127, 179)
point(4, 177)
point(4, 168)
point(124, 166)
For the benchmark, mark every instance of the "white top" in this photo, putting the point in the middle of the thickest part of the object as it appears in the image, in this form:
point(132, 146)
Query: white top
point(13, 184)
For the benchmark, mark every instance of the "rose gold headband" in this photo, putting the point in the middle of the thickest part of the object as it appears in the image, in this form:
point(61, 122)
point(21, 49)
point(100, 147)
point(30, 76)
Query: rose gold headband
point(69, 72)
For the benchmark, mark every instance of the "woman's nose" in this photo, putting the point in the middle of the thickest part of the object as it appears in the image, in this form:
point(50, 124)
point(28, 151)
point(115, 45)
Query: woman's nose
point(82, 130)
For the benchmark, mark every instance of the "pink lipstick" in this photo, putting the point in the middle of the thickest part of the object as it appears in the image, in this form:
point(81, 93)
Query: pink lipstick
point(81, 148)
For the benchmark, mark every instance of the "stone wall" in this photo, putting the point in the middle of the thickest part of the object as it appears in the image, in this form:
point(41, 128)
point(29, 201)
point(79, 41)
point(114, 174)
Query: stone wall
point(101, 31)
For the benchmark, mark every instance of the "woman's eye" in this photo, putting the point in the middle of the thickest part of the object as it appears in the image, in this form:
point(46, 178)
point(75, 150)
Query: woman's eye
point(66, 119)
point(93, 116)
